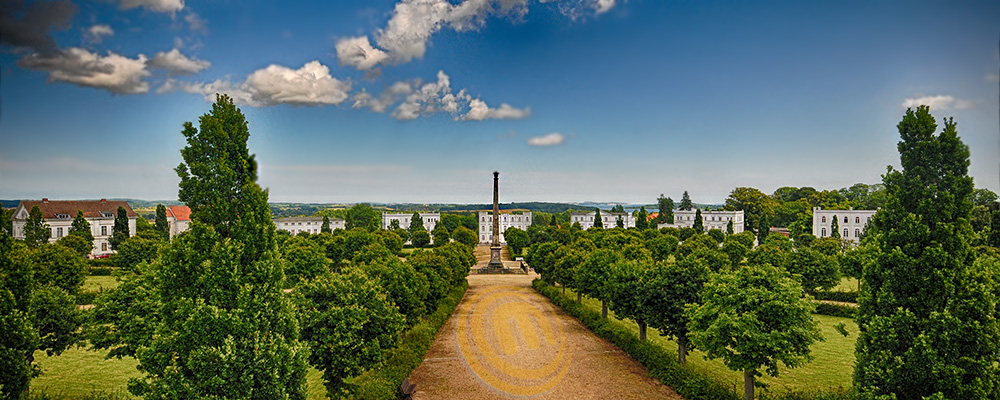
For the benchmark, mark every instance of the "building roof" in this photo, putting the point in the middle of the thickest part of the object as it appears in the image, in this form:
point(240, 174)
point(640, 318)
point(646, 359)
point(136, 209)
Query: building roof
point(652, 216)
point(90, 208)
point(180, 213)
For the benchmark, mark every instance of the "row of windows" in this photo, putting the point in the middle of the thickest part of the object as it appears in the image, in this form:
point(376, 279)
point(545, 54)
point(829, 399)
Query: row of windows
point(857, 233)
point(857, 220)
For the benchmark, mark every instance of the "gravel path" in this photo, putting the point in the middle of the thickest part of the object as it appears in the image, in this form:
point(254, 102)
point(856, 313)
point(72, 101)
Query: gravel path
point(505, 340)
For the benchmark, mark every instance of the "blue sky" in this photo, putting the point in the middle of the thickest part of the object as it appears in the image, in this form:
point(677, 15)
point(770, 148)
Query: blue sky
point(420, 100)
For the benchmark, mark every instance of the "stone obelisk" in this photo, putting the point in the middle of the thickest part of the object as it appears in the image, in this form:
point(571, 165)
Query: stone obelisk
point(495, 261)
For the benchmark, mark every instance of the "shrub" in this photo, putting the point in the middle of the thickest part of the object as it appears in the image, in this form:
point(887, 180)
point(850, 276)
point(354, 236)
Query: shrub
point(846, 297)
point(836, 310)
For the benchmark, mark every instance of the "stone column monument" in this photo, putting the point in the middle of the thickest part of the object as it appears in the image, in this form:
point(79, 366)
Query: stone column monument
point(495, 261)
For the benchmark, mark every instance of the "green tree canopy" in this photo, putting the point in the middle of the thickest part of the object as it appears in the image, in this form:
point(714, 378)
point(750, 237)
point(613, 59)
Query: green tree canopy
point(81, 228)
point(325, 226)
point(686, 204)
point(598, 223)
point(440, 235)
point(162, 227)
point(668, 288)
point(666, 208)
point(465, 235)
point(420, 238)
point(516, 240)
point(36, 231)
point(757, 207)
point(699, 224)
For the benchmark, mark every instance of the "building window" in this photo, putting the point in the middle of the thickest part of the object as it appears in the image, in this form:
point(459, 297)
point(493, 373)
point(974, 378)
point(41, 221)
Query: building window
point(58, 232)
point(104, 247)
point(823, 234)
point(857, 220)
point(845, 219)
point(857, 233)
point(104, 230)
point(824, 218)
point(846, 233)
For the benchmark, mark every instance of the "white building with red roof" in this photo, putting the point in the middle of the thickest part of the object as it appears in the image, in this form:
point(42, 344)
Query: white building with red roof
point(59, 215)
point(178, 219)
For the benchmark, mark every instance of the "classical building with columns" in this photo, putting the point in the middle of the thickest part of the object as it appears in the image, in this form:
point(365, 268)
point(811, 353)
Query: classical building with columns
point(850, 223)
point(608, 219)
point(709, 219)
point(508, 218)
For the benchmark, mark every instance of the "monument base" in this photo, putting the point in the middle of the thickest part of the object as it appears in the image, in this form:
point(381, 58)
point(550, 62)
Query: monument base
point(495, 258)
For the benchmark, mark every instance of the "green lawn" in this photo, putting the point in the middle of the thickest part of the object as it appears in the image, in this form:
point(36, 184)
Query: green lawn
point(847, 284)
point(831, 367)
point(95, 283)
point(79, 372)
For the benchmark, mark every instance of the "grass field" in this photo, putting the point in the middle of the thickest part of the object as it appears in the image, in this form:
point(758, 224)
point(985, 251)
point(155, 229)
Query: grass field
point(847, 285)
point(79, 372)
point(831, 367)
point(95, 283)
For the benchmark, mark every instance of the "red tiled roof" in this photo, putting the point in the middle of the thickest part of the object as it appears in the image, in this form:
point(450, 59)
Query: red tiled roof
point(181, 213)
point(652, 216)
point(90, 208)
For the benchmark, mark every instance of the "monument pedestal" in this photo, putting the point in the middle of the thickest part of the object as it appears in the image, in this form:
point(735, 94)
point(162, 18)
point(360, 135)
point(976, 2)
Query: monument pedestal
point(495, 261)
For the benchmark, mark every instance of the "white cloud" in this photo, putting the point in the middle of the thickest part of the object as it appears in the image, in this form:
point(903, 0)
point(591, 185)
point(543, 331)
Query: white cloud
point(388, 97)
point(114, 73)
point(96, 33)
point(552, 139)
point(429, 99)
point(603, 6)
point(310, 85)
point(164, 6)
point(358, 53)
point(478, 111)
point(196, 23)
point(939, 102)
point(176, 63)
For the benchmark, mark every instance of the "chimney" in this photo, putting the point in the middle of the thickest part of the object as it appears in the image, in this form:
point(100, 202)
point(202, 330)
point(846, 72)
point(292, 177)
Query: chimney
point(104, 200)
point(45, 200)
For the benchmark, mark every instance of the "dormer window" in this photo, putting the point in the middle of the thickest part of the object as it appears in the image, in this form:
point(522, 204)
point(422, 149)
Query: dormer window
point(107, 214)
point(62, 216)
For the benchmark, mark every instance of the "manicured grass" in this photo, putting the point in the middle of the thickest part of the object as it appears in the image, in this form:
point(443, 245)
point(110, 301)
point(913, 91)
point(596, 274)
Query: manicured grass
point(831, 367)
point(847, 284)
point(79, 372)
point(95, 283)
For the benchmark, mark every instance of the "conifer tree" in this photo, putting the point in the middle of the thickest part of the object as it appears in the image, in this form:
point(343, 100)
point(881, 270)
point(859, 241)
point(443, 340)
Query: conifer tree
point(120, 231)
point(81, 228)
point(699, 224)
point(835, 228)
point(619, 222)
point(161, 222)
point(597, 218)
point(927, 309)
point(641, 217)
point(36, 231)
point(666, 206)
point(416, 224)
point(729, 227)
point(325, 227)
point(686, 204)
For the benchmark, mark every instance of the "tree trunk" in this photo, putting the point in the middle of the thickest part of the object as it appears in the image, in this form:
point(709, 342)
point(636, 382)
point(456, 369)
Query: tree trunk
point(642, 330)
point(564, 289)
point(579, 297)
point(604, 309)
point(747, 385)
point(682, 350)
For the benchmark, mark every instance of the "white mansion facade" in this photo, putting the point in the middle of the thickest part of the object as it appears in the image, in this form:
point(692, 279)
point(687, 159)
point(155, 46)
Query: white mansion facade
point(508, 218)
point(608, 219)
point(430, 220)
point(59, 215)
point(709, 219)
point(312, 225)
point(850, 223)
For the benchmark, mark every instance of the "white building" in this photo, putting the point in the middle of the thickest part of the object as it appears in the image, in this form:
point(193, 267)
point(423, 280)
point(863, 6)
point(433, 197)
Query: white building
point(313, 225)
point(608, 219)
point(59, 214)
point(850, 223)
point(430, 220)
point(178, 220)
point(709, 219)
point(508, 218)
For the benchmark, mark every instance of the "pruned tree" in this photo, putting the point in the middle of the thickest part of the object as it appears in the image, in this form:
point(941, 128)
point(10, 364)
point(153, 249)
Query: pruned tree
point(641, 218)
point(465, 235)
point(36, 231)
point(666, 208)
point(440, 235)
point(668, 288)
point(686, 203)
point(362, 216)
point(597, 218)
point(625, 290)
point(162, 227)
point(835, 228)
point(325, 226)
point(699, 224)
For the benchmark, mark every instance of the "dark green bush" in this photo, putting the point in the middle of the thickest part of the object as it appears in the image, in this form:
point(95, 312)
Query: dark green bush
point(100, 271)
point(836, 310)
point(847, 297)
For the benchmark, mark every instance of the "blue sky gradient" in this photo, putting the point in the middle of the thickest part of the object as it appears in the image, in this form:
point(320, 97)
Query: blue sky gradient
point(587, 100)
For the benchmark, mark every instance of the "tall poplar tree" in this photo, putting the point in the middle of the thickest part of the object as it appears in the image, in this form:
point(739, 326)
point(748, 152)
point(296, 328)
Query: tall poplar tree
point(597, 218)
point(835, 228)
point(36, 231)
point(224, 329)
point(641, 218)
point(120, 231)
point(699, 224)
point(686, 204)
point(161, 222)
point(325, 227)
point(927, 315)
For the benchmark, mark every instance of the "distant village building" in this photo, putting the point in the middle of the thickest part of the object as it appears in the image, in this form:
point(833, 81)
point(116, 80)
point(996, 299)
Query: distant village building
point(709, 219)
point(178, 220)
point(430, 220)
point(314, 225)
point(850, 223)
point(608, 219)
point(59, 214)
point(508, 218)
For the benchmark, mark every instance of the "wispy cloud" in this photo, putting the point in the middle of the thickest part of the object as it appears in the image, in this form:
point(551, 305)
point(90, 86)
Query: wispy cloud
point(310, 85)
point(176, 63)
point(418, 99)
point(96, 33)
point(163, 6)
point(939, 102)
point(552, 139)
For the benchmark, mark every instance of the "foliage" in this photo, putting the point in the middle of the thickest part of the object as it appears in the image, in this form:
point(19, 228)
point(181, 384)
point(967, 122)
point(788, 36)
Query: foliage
point(416, 224)
point(717, 235)
point(694, 243)
point(362, 216)
point(77, 243)
point(836, 310)
point(662, 246)
point(699, 224)
point(81, 228)
point(124, 319)
point(686, 204)
point(816, 270)
point(626, 288)
point(420, 238)
point(666, 209)
point(18, 335)
point(516, 240)
point(440, 235)
point(835, 228)
point(593, 273)
point(684, 233)
point(729, 227)
point(161, 225)
point(927, 307)
point(325, 226)
point(36, 231)
point(54, 314)
point(402, 284)
point(540, 257)
point(465, 235)
point(59, 266)
point(753, 318)
point(391, 240)
point(304, 260)
point(598, 223)
point(641, 218)
point(668, 288)
point(7, 221)
point(120, 230)
point(566, 260)
point(451, 222)
point(756, 206)
point(735, 250)
point(349, 324)
point(434, 267)
point(765, 254)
